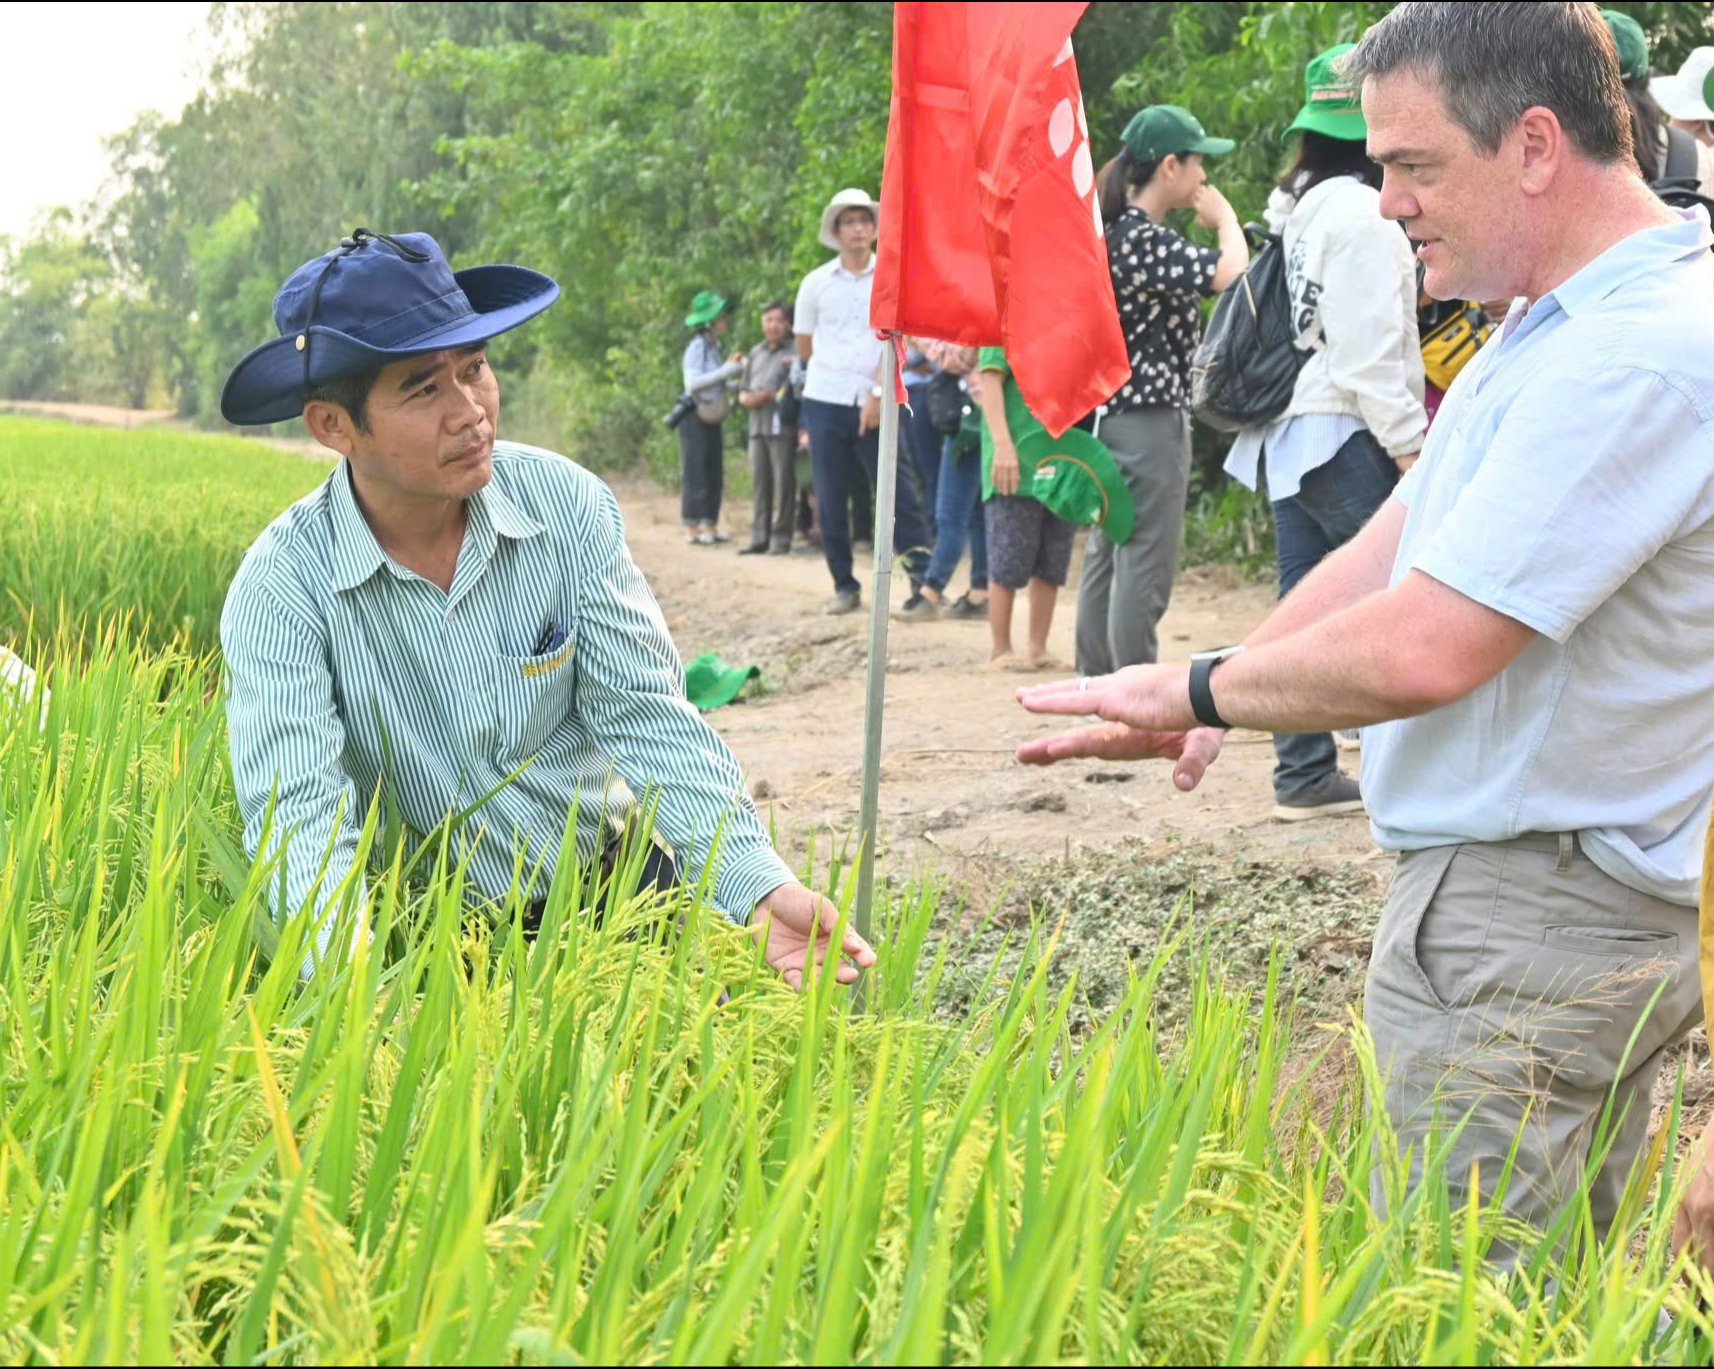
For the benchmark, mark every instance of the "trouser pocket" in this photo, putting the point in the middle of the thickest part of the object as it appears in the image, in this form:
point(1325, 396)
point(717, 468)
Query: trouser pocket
point(1396, 975)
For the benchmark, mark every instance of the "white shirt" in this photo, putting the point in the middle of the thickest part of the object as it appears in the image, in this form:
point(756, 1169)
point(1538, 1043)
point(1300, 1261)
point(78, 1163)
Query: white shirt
point(1292, 447)
point(1568, 482)
point(833, 311)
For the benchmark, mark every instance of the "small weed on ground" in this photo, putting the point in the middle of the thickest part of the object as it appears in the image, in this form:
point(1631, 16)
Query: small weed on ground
point(1114, 910)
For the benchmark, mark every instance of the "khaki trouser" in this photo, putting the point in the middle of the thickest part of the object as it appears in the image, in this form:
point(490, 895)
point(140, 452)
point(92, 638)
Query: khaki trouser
point(1506, 982)
point(773, 482)
point(1705, 921)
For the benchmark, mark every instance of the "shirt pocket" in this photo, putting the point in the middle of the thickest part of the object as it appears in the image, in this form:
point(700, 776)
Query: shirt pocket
point(533, 695)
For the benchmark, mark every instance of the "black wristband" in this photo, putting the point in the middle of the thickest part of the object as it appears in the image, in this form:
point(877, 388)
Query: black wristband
point(1201, 695)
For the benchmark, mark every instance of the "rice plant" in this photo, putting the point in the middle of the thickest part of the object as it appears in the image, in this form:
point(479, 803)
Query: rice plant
point(463, 1145)
point(604, 1146)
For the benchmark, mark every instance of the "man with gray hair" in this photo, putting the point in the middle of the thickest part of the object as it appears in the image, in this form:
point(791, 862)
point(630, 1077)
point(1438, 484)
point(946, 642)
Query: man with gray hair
point(1525, 629)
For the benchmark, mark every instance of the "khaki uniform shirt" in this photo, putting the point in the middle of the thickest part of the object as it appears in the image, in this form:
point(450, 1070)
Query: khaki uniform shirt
point(767, 368)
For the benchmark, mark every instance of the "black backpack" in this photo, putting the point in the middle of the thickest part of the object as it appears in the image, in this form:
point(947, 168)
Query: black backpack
point(1246, 367)
point(1679, 185)
point(946, 402)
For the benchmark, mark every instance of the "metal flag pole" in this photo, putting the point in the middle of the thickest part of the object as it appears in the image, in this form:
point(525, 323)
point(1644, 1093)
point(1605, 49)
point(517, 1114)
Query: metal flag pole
point(886, 477)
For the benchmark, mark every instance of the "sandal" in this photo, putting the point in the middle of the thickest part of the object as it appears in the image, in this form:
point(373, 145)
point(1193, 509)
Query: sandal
point(1009, 661)
point(1050, 663)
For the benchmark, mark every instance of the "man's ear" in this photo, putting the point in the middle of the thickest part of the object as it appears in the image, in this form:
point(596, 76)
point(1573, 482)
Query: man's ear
point(1541, 148)
point(330, 425)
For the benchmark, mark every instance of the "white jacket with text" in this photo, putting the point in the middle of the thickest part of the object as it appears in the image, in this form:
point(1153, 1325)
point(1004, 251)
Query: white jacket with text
point(1353, 290)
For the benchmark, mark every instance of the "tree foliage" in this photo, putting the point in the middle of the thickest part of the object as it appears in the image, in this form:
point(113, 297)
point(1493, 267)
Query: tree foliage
point(638, 152)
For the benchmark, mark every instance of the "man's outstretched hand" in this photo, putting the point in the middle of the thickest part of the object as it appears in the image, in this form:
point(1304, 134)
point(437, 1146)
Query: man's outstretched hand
point(791, 920)
point(1194, 750)
point(1146, 716)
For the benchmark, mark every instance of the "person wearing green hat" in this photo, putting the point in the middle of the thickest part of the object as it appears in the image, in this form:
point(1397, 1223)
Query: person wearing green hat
point(1159, 280)
point(1356, 418)
point(1663, 151)
point(701, 446)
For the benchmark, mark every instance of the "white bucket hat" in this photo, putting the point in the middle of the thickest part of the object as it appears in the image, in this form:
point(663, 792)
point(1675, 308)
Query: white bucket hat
point(1681, 95)
point(852, 199)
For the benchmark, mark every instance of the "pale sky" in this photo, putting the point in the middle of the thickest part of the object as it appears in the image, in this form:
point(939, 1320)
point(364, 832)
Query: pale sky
point(75, 74)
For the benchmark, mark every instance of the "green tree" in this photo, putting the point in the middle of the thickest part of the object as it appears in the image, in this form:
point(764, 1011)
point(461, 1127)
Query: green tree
point(47, 281)
point(636, 151)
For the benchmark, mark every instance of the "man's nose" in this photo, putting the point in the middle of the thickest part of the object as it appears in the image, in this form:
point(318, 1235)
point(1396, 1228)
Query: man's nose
point(1397, 202)
point(466, 407)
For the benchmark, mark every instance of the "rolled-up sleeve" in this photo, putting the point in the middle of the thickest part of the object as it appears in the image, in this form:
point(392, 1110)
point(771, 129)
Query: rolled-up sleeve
point(287, 739)
point(630, 697)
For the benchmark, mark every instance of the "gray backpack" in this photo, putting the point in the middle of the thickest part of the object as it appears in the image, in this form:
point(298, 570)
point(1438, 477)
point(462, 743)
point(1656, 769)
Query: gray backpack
point(1679, 185)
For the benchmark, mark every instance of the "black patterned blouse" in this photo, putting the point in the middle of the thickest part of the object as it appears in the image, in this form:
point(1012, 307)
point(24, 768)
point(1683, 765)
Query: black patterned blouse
point(1157, 278)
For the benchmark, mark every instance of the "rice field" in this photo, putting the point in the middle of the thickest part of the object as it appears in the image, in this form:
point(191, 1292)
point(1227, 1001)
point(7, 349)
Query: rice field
point(100, 525)
point(466, 1147)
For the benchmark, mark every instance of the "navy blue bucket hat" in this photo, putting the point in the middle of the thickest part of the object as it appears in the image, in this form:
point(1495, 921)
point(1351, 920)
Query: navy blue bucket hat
point(372, 300)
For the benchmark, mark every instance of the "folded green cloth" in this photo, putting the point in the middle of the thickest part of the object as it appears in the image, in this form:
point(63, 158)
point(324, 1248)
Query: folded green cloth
point(710, 682)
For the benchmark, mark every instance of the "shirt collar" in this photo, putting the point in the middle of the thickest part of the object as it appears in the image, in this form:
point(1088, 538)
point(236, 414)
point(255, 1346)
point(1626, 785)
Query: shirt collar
point(869, 270)
point(508, 519)
point(1639, 254)
point(356, 553)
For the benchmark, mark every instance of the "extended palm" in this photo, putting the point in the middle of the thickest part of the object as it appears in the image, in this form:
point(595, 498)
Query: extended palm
point(1144, 714)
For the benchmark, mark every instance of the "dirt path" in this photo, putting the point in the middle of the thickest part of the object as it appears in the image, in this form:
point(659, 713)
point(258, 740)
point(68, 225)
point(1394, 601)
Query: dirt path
point(952, 797)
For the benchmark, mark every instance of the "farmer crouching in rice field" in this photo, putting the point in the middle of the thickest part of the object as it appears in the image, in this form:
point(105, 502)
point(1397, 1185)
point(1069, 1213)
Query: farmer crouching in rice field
point(1525, 628)
point(466, 605)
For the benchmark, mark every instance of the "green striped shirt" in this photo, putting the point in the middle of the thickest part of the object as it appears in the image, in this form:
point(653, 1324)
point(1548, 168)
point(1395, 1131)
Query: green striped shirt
point(328, 640)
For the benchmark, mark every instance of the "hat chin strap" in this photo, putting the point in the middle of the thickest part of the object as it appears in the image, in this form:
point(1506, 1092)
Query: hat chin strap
point(358, 239)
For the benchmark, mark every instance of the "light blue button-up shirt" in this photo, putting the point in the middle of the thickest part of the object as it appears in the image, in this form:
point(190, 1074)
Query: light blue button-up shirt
point(548, 649)
point(1568, 482)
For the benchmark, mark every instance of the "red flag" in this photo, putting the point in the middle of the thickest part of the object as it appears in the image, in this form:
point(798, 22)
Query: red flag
point(990, 232)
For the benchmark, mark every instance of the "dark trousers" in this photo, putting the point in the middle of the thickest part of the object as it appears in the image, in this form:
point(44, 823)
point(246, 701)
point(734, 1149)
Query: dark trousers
point(925, 444)
point(1331, 505)
point(862, 513)
point(657, 873)
point(702, 474)
point(841, 459)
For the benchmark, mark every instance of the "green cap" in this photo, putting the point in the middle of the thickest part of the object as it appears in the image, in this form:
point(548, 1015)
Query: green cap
point(1332, 106)
point(1633, 46)
point(705, 308)
point(1163, 130)
point(1076, 477)
point(709, 682)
